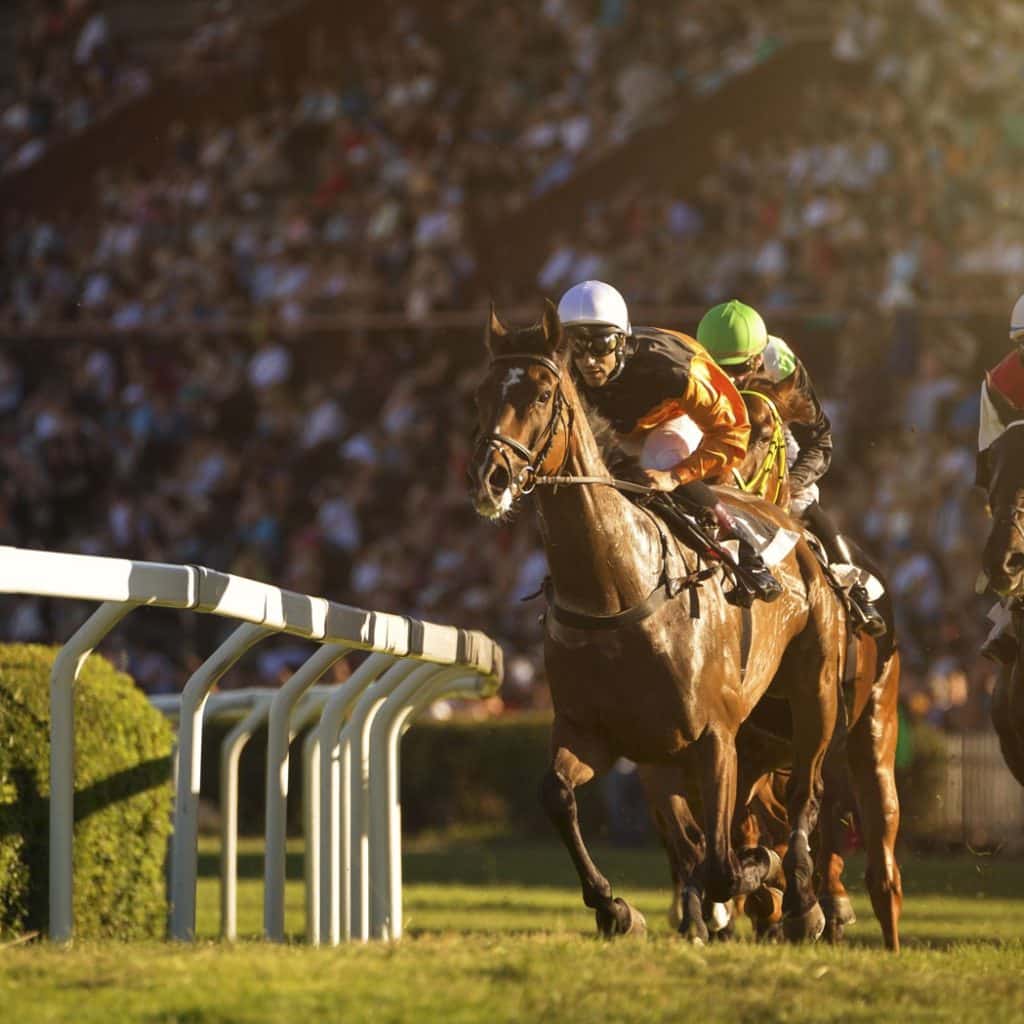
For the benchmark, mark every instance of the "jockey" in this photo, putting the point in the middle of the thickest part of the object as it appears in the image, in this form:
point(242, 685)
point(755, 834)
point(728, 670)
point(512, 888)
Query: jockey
point(1006, 380)
point(735, 335)
point(667, 400)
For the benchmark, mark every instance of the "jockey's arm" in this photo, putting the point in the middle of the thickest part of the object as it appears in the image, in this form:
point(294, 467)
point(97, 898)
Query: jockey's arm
point(723, 422)
point(812, 432)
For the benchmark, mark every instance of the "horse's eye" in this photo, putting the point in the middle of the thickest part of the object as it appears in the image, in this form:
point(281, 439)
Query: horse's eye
point(544, 397)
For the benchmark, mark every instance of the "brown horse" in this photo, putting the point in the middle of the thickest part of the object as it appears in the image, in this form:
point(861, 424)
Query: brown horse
point(862, 754)
point(1003, 565)
point(637, 666)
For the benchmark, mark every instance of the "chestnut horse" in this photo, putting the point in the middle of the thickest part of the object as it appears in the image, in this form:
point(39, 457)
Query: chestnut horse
point(637, 666)
point(1003, 565)
point(861, 757)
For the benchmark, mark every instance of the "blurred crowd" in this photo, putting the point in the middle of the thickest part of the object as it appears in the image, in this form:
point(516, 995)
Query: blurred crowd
point(334, 462)
point(355, 187)
point(70, 68)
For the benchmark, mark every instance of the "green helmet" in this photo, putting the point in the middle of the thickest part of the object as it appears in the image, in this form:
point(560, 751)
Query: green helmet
point(732, 332)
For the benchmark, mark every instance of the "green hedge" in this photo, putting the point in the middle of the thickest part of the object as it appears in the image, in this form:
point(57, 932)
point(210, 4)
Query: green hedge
point(468, 773)
point(122, 799)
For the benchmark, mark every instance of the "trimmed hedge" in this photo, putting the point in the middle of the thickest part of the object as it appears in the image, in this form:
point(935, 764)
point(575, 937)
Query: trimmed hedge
point(486, 773)
point(123, 799)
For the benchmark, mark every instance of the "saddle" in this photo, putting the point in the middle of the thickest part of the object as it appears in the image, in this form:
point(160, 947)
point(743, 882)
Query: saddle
point(696, 526)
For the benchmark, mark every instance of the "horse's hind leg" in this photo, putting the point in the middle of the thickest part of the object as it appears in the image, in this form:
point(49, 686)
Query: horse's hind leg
point(574, 764)
point(872, 755)
point(834, 899)
point(814, 715)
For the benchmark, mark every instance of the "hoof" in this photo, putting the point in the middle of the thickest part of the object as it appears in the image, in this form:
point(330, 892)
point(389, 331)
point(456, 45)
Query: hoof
point(838, 909)
point(764, 906)
point(623, 920)
point(637, 928)
point(805, 927)
point(720, 917)
point(769, 934)
point(833, 933)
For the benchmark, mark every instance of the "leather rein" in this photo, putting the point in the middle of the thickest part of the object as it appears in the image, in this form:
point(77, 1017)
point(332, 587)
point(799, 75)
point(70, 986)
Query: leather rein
point(529, 478)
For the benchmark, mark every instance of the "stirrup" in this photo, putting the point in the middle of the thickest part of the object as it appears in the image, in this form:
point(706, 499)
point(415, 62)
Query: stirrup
point(868, 619)
point(753, 581)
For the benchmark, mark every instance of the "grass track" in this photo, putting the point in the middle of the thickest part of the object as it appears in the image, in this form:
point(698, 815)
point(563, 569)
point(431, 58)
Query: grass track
point(497, 933)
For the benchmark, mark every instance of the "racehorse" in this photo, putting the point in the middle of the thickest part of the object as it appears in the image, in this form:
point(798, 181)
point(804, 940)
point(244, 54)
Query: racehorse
point(638, 666)
point(1003, 564)
point(862, 753)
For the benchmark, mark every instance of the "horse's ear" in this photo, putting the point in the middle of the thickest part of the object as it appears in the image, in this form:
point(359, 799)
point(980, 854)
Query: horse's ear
point(494, 329)
point(551, 325)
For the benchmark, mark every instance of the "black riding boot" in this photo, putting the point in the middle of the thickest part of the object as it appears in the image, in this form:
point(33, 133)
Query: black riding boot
point(753, 573)
point(866, 617)
point(755, 579)
point(871, 620)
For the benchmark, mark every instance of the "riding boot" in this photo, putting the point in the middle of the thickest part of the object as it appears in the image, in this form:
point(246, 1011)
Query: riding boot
point(1001, 644)
point(871, 621)
point(753, 573)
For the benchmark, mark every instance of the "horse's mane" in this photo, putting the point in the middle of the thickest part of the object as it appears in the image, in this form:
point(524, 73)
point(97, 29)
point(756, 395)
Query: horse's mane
point(619, 462)
point(787, 397)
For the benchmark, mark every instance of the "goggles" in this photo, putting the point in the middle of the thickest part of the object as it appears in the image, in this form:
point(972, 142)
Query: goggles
point(594, 340)
point(742, 369)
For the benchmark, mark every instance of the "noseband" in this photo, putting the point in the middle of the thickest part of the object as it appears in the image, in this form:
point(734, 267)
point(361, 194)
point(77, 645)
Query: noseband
point(526, 479)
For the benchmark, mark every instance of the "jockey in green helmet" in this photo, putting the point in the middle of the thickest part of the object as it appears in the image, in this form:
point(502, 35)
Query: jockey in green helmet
point(736, 337)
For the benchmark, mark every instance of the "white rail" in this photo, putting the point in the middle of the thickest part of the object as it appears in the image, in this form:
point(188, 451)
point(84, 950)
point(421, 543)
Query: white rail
point(400, 643)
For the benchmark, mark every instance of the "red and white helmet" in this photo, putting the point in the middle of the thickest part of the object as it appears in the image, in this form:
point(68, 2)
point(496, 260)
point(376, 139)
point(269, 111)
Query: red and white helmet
point(594, 302)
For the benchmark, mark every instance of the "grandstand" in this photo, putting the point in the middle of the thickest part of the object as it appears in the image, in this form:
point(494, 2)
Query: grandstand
point(288, 243)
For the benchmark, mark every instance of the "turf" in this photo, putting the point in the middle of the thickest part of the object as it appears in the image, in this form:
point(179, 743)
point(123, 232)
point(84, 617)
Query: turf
point(497, 933)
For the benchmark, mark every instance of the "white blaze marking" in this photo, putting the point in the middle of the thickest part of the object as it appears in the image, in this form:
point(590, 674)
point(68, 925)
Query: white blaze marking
point(514, 376)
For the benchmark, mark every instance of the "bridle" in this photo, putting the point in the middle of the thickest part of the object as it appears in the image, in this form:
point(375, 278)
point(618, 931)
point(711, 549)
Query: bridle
point(525, 481)
point(1012, 514)
point(529, 477)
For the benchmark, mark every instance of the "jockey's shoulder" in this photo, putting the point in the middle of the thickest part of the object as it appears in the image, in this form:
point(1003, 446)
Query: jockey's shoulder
point(666, 339)
point(1007, 379)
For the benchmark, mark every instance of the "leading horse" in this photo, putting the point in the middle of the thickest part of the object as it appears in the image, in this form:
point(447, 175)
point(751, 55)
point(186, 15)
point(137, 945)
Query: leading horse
point(639, 666)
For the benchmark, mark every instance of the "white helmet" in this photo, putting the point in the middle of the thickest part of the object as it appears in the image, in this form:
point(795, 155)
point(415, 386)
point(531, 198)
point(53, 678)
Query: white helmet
point(594, 302)
point(1016, 320)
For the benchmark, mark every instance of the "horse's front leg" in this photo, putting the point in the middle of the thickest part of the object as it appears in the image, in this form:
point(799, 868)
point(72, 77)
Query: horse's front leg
point(576, 760)
point(719, 771)
point(664, 787)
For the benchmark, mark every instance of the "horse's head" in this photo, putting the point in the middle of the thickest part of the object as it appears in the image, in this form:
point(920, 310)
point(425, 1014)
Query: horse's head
point(525, 418)
point(1003, 557)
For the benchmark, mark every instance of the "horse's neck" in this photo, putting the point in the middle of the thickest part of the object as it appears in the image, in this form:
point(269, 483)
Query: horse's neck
point(604, 554)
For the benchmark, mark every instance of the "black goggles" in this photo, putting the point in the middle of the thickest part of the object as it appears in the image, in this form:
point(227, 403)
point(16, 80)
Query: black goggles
point(742, 369)
point(595, 342)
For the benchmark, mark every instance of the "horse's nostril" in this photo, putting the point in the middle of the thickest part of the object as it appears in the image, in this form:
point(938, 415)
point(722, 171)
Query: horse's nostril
point(1015, 562)
point(498, 478)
